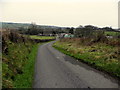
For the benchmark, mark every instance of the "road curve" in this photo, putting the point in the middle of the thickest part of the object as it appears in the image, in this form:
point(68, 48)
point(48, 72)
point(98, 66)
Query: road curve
point(54, 69)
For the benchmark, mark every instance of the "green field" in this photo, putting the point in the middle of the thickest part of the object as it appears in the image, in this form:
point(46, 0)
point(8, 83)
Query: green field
point(41, 37)
point(101, 56)
point(110, 33)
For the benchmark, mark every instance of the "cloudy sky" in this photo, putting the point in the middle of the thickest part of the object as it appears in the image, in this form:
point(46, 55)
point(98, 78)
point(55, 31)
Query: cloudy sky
point(61, 12)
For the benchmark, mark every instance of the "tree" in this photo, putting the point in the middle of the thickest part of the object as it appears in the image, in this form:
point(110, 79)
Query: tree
point(91, 27)
point(22, 30)
point(53, 32)
point(71, 30)
point(83, 32)
point(32, 29)
point(107, 28)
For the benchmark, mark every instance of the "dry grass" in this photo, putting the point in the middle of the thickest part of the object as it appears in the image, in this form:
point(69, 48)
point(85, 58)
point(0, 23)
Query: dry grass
point(101, 55)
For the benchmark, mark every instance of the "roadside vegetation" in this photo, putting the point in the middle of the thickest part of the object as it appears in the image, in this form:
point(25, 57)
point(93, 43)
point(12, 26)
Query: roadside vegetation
point(94, 49)
point(19, 50)
point(18, 59)
point(18, 56)
point(25, 80)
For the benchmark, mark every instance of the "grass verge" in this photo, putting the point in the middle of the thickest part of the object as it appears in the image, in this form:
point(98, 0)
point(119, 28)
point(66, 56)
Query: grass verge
point(101, 56)
point(18, 60)
point(18, 65)
point(25, 80)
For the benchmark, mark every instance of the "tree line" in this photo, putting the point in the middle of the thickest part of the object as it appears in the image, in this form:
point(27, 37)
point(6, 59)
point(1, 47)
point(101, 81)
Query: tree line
point(81, 31)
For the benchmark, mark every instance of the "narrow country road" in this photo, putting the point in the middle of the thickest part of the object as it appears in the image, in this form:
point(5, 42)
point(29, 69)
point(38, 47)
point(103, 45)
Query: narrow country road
point(54, 69)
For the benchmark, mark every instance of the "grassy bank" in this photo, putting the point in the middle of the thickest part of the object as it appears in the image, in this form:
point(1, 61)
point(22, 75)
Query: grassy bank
point(26, 79)
point(99, 55)
point(18, 59)
point(18, 65)
point(15, 65)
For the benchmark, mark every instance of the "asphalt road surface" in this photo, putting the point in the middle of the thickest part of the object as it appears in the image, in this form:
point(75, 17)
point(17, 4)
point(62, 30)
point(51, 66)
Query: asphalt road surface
point(54, 69)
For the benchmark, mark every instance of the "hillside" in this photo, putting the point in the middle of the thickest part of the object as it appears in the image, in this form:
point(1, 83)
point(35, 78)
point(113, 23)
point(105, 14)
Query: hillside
point(24, 25)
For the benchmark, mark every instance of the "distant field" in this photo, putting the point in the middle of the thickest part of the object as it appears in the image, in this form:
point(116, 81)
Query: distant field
point(110, 33)
point(41, 37)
